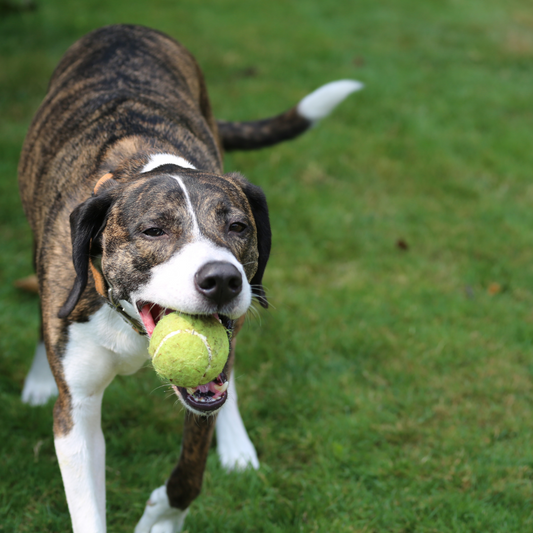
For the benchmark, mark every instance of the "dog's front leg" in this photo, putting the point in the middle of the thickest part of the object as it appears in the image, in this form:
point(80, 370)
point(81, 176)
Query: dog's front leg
point(167, 506)
point(81, 456)
point(82, 373)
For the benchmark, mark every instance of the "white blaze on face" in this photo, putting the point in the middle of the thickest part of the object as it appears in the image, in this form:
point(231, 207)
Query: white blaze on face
point(196, 228)
point(172, 282)
point(158, 160)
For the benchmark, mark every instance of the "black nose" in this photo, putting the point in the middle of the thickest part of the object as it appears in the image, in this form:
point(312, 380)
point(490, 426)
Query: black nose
point(219, 281)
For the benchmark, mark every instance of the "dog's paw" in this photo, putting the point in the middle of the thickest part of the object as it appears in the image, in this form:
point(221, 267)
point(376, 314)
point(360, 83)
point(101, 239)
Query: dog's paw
point(159, 517)
point(168, 526)
point(39, 385)
point(238, 458)
point(38, 393)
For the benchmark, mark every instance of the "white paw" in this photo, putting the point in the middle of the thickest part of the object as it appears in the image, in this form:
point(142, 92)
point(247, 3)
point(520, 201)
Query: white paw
point(238, 457)
point(39, 385)
point(38, 393)
point(168, 526)
point(159, 517)
point(234, 447)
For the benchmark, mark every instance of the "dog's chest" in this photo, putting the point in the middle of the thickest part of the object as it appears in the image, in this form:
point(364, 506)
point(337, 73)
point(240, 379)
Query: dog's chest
point(102, 347)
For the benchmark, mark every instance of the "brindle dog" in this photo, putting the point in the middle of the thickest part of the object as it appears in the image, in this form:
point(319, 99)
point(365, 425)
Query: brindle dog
point(121, 179)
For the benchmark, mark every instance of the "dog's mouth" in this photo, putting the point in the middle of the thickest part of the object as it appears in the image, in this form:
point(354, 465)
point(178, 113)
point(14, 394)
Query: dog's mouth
point(203, 398)
point(151, 314)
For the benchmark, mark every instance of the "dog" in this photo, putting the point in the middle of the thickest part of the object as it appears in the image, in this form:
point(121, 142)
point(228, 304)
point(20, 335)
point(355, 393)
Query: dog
point(121, 180)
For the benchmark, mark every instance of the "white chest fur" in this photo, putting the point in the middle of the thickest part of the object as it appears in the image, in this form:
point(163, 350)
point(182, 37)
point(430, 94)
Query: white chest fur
point(100, 349)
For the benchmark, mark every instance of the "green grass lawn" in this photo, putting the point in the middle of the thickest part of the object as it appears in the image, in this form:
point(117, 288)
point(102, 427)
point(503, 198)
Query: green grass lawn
point(388, 389)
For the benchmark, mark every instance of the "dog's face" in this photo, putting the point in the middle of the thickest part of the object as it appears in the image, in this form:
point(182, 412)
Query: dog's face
point(175, 239)
point(182, 242)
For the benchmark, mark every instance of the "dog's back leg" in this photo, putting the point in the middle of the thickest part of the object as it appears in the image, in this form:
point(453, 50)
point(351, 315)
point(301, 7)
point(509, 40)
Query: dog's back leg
point(39, 385)
point(234, 447)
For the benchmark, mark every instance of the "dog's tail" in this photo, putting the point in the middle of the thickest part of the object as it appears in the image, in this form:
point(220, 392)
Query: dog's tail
point(261, 133)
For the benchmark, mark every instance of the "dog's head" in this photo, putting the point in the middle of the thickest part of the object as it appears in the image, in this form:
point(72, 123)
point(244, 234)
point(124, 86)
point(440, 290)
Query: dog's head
point(174, 239)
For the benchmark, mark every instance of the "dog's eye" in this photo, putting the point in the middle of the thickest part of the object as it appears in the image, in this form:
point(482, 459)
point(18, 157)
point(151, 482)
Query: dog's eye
point(154, 232)
point(237, 227)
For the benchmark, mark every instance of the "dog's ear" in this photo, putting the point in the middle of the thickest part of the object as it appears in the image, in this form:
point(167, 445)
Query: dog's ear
point(258, 204)
point(86, 222)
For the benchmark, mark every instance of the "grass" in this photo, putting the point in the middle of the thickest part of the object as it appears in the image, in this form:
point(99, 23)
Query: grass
point(390, 389)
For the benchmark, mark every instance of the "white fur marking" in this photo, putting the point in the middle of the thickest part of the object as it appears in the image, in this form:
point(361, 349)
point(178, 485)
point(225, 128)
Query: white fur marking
point(81, 457)
point(158, 160)
point(196, 230)
point(96, 351)
point(159, 517)
point(320, 103)
point(100, 349)
point(39, 385)
point(234, 447)
point(172, 282)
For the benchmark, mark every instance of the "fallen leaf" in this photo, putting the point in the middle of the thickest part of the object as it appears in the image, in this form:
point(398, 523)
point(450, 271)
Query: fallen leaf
point(402, 245)
point(494, 288)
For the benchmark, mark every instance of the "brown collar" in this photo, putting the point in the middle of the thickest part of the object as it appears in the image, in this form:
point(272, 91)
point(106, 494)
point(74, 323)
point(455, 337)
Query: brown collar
point(106, 291)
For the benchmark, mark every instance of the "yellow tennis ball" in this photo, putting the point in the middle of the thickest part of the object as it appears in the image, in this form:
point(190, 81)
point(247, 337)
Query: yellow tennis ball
point(189, 350)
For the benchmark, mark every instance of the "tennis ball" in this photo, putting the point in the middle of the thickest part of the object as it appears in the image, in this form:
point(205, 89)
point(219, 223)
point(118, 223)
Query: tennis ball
point(189, 350)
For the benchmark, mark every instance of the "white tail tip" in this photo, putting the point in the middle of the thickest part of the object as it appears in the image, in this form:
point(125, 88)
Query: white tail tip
point(322, 102)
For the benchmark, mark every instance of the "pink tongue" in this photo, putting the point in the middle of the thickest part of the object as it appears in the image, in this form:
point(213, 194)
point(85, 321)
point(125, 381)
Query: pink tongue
point(203, 388)
point(148, 312)
point(210, 387)
point(147, 319)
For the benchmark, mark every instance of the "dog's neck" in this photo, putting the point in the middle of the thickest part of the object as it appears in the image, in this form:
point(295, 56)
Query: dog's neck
point(136, 154)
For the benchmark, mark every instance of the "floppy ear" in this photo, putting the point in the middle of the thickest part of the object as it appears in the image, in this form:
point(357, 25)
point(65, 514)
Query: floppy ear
point(86, 223)
point(258, 204)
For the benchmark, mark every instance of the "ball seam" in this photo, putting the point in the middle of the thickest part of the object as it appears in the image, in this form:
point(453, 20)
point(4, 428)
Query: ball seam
point(190, 332)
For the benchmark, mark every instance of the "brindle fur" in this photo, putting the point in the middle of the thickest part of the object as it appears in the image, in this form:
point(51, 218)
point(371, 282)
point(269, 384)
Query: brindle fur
point(120, 95)
point(185, 481)
point(255, 134)
point(93, 108)
point(155, 199)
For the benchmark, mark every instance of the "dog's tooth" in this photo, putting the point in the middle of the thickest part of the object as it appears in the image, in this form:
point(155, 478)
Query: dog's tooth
point(191, 391)
point(220, 388)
